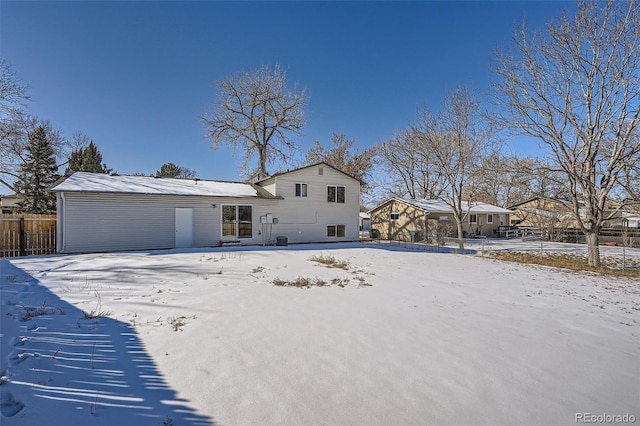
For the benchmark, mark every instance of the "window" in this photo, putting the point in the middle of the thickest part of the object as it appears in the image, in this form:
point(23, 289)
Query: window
point(473, 218)
point(236, 222)
point(335, 230)
point(244, 222)
point(336, 194)
point(489, 218)
point(394, 216)
point(443, 218)
point(301, 189)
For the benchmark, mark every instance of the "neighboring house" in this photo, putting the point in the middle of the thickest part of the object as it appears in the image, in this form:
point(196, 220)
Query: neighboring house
point(365, 225)
point(633, 220)
point(9, 203)
point(365, 222)
point(624, 219)
point(99, 212)
point(432, 219)
point(544, 213)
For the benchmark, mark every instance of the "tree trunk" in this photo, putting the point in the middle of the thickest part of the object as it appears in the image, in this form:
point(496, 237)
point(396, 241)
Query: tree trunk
point(460, 235)
point(593, 249)
point(263, 167)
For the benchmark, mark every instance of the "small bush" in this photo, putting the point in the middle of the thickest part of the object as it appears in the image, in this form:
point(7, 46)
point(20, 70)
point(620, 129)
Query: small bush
point(330, 262)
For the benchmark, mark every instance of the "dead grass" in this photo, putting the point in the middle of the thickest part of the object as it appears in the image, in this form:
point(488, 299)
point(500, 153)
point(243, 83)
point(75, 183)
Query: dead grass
point(177, 323)
point(30, 312)
point(340, 282)
point(567, 261)
point(363, 282)
point(96, 312)
point(300, 282)
point(330, 262)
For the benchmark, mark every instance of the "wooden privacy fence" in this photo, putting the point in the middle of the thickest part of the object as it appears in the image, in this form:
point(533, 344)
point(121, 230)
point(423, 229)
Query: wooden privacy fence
point(26, 234)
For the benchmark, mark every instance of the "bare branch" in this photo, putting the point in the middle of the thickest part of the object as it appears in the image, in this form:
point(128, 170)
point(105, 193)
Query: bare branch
point(255, 112)
point(576, 87)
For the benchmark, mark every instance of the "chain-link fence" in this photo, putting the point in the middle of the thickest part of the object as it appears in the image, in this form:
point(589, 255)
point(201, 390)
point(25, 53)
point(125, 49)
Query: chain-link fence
point(530, 246)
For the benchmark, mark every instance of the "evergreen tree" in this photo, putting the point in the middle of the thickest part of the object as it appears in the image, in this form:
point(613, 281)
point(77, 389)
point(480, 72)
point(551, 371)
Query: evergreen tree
point(74, 164)
point(86, 159)
point(170, 170)
point(37, 173)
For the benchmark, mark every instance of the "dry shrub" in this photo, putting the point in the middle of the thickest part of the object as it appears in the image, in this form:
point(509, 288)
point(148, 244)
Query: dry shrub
point(330, 262)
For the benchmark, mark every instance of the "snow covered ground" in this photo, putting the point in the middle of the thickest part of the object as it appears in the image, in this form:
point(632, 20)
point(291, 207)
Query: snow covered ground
point(197, 337)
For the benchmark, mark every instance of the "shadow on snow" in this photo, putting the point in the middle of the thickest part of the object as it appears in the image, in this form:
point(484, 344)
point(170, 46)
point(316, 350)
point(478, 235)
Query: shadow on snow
point(60, 367)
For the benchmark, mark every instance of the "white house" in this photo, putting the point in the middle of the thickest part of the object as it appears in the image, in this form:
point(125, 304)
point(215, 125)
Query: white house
point(99, 212)
point(9, 203)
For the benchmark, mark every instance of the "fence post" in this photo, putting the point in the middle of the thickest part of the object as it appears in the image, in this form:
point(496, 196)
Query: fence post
point(541, 251)
point(23, 238)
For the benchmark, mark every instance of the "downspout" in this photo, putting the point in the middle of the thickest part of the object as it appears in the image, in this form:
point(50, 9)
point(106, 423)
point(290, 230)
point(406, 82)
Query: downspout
point(61, 224)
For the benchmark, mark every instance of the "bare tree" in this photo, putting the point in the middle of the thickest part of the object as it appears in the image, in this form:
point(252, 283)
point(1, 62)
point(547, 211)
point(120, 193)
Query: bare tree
point(576, 87)
point(410, 165)
point(439, 157)
point(458, 137)
point(631, 185)
point(343, 157)
point(255, 113)
point(13, 148)
point(13, 94)
point(13, 124)
point(506, 179)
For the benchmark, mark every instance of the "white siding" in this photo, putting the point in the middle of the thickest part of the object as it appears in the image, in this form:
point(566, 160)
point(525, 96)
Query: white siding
point(269, 185)
point(109, 222)
point(305, 219)
point(100, 222)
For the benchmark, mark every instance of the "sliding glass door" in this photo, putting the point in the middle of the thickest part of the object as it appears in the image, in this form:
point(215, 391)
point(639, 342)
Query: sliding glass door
point(236, 222)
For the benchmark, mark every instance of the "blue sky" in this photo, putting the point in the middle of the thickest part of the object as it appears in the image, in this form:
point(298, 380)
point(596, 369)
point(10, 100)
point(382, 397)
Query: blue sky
point(137, 76)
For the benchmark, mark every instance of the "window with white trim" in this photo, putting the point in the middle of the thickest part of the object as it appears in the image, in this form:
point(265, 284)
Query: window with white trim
point(473, 218)
point(335, 230)
point(336, 194)
point(394, 216)
point(301, 189)
point(489, 218)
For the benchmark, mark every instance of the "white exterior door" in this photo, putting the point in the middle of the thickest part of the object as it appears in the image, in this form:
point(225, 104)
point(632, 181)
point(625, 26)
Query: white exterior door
point(184, 228)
